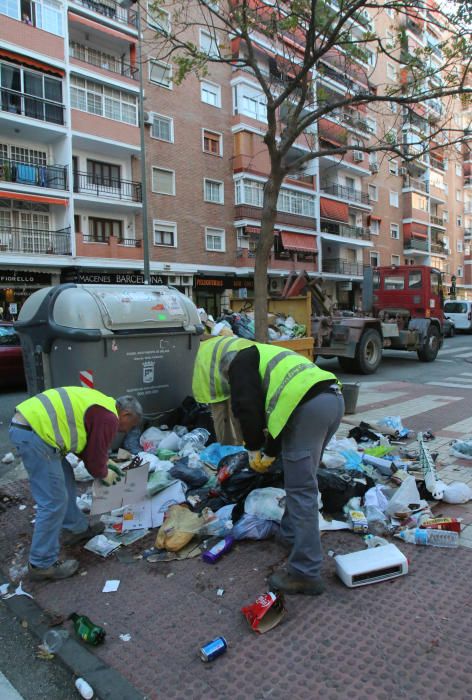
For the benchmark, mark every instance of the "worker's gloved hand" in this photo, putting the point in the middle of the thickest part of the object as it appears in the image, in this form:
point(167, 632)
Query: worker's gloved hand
point(114, 475)
point(259, 462)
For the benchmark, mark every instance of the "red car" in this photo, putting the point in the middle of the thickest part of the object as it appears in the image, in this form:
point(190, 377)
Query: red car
point(12, 372)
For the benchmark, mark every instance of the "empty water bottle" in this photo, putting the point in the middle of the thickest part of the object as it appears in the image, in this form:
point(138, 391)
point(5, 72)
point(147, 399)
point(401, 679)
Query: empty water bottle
point(196, 438)
point(436, 538)
point(377, 521)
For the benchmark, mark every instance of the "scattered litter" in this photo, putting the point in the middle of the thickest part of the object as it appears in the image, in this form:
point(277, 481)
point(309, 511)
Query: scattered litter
point(265, 613)
point(85, 690)
point(8, 458)
point(53, 640)
point(213, 649)
point(4, 588)
point(457, 492)
point(22, 507)
point(101, 545)
point(220, 592)
point(18, 591)
point(111, 586)
point(125, 637)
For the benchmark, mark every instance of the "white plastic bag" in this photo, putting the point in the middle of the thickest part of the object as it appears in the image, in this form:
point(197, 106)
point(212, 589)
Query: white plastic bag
point(151, 439)
point(333, 460)
point(405, 498)
point(267, 503)
point(462, 449)
point(457, 492)
point(250, 527)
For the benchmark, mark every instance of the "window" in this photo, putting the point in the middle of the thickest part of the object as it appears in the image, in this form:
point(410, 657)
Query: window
point(458, 169)
point(162, 128)
point(215, 239)
point(391, 71)
point(160, 73)
point(389, 40)
point(210, 93)
point(393, 198)
point(100, 230)
point(95, 98)
point(372, 125)
point(459, 220)
point(209, 44)
point(165, 233)
point(21, 154)
point(373, 193)
point(395, 260)
point(103, 174)
point(393, 167)
point(459, 195)
point(414, 279)
point(394, 282)
point(459, 246)
point(390, 11)
point(163, 181)
point(445, 216)
point(158, 18)
point(460, 272)
point(213, 191)
point(291, 201)
point(374, 259)
point(212, 143)
point(418, 201)
point(42, 94)
point(44, 14)
point(395, 231)
point(375, 227)
point(393, 107)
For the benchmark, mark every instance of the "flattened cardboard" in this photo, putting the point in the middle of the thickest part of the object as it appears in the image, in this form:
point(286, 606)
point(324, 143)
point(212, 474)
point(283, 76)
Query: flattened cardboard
point(131, 489)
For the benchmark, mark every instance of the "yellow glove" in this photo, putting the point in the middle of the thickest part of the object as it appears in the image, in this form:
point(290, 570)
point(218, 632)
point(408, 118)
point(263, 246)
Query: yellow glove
point(259, 462)
point(114, 475)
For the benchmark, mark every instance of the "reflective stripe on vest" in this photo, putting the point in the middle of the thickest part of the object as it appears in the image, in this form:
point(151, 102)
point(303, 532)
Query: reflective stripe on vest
point(210, 382)
point(57, 415)
point(286, 377)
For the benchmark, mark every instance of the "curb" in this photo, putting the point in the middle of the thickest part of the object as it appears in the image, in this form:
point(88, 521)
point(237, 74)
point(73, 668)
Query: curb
point(107, 683)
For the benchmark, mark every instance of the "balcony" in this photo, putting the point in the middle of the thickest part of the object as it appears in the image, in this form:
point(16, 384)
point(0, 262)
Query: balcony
point(437, 221)
point(113, 64)
point(32, 241)
point(107, 188)
point(416, 244)
point(325, 71)
point(51, 176)
point(435, 163)
point(356, 121)
point(347, 193)
point(468, 181)
point(411, 183)
point(117, 247)
point(438, 249)
point(343, 267)
point(467, 207)
point(345, 230)
point(111, 9)
point(19, 103)
point(468, 233)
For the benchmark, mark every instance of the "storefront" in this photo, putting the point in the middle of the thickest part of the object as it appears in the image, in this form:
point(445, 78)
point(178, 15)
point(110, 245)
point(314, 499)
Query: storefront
point(17, 285)
point(213, 293)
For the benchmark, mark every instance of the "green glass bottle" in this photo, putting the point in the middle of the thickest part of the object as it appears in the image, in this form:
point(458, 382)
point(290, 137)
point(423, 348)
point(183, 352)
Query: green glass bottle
point(87, 630)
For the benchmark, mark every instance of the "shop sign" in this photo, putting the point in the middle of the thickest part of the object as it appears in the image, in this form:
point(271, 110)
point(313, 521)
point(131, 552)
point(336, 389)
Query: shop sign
point(84, 277)
point(24, 278)
point(220, 283)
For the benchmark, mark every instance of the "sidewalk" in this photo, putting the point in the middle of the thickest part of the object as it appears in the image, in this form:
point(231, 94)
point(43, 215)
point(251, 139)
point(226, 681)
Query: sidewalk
point(406, 638)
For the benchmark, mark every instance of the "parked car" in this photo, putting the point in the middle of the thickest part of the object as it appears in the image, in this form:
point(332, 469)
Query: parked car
point(12, 372)
point(459, 311)
point(449, 327)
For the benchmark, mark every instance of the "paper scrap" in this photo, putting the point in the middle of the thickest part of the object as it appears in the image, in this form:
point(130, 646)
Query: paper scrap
point(150, 512)
point(4, 588)
point(220, 592)
point(101, 545)
point(125, 637)
point(111, 586)
point(22, 507)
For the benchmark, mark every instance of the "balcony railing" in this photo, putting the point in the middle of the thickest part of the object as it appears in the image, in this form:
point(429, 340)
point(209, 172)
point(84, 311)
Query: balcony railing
point(29, 240)
point(435, 163)
point(107, 188)
point(345, 230)
point(343, 267)
point(415, 184)
point(467, 207)
point(438, 248)
point(416, 244)
point(468, 233)
point(112, 9)
point(53, 176)
point(112, 63)
point(342, 78)
point(437, 221)
point(356, 121)
point(467, 181)
point(28, 106)
point(343, 192)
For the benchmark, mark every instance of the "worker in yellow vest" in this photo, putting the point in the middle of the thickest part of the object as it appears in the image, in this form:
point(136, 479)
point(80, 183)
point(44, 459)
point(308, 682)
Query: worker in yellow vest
point(285, 405)
point(44, 429)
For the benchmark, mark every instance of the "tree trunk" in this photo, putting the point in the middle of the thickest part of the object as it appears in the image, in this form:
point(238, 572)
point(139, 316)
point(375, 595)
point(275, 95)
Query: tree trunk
point(264, 247)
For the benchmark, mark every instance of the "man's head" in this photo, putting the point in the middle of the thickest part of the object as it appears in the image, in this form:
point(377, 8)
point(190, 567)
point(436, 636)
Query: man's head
point(130, 413)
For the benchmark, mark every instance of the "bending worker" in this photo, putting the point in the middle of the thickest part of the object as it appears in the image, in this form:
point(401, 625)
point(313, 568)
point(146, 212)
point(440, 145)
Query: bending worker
point(284, 404)
point(44, 429)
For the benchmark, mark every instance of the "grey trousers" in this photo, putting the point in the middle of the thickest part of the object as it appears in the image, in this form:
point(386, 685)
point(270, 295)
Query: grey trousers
point(305, 436)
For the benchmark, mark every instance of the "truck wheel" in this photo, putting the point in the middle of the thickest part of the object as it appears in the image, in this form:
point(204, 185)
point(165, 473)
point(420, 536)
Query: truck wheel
point(348, 364)
point(369, 352)
point(430, 349)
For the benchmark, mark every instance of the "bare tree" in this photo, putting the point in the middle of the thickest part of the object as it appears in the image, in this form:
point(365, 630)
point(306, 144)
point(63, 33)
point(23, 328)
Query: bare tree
point(286, 46)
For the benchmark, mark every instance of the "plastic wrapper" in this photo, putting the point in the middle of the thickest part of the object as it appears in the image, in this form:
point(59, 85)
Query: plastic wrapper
point(101, 545)
point(457, 492)
point(337, 486)
point(266, 503)
point(154, 462)
point(333, 460)
point(462, 449)
point(131, 441)
point(180, 526)
point(158, 481)
point(193, 476)
point(405, 498)
point(394, 423)
point(250, 527)
point(151, 439)
point(214, 453)
point(267, 612)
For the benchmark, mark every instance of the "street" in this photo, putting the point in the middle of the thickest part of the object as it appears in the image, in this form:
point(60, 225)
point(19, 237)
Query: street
point(434, 396)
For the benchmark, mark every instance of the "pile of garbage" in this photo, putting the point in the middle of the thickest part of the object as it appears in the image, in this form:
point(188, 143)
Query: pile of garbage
point(281, 327)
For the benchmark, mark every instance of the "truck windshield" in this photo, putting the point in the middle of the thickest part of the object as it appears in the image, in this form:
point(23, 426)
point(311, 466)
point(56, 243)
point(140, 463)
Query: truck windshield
point(394, 282)
point(414, 279)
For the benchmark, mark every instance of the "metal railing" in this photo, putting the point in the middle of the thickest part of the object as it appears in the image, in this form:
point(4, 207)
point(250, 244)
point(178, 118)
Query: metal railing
point(53, 176)
point(435, 163)
point(416, 244)
point(438, 248)
point(343, 267)
point(130, 242)
point(106, 187)
point(115, 65)
point(437, 221)
point(468, 233)
point(339, 229)
point(326, 71)
point(343, 192)
point(415, 184)
point(29, 240)
point(355, 121)
point(28, 106)
point(111, 9)
point(467, 181)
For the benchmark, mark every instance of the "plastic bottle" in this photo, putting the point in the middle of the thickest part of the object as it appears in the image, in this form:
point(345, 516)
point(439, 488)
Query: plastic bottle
point(87, 630)
point(85, 690)
point(436, 538)
point(377, 521)
point(374, 541)
point(212, 555)
point(54, 639)
point(196, 438)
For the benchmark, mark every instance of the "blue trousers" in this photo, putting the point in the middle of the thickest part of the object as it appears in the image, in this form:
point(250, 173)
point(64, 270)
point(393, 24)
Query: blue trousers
point(308, 431)
point(53, 488)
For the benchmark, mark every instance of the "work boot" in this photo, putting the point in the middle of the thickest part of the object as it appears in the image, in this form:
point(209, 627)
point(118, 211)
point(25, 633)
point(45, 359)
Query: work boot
point(291, 584)
point(61, 569)
point(69, 538)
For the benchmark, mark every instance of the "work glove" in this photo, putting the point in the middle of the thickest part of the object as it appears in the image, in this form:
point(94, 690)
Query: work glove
point(114, 475)
point(259, 462)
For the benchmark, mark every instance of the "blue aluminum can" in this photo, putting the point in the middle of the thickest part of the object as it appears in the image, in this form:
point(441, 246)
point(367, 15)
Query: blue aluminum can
point(213, 649)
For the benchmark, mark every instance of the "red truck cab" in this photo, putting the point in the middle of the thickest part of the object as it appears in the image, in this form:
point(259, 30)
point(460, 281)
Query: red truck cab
point(413, 291)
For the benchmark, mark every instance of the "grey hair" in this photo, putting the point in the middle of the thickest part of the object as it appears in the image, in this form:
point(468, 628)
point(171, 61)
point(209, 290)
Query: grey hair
point(130, 404)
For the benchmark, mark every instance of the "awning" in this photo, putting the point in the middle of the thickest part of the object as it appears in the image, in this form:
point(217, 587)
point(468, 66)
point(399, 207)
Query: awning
point(255, 230)
point(34, 198)
point(32, 62)
point(415, 230)
point(375, 218)
point(338, 211)
point(93, 24)
point(301, 242)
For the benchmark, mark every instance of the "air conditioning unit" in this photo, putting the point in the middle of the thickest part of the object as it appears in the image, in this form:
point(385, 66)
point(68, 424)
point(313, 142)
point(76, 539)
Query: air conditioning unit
point(173, 280)
point(358, 156)
point(186, 281)
point(403, 171)
point(374, 167)
point(276, 284)
point(148, 117)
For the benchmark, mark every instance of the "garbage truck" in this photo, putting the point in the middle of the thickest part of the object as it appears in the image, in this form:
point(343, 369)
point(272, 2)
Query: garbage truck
point(402, 310)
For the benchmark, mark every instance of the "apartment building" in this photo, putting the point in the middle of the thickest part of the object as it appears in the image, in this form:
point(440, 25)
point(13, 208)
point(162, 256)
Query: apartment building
point(70, 190)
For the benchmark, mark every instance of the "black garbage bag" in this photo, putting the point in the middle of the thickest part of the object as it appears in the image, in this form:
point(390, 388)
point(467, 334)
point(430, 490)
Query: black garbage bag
point(337, 486)
point(192, 415)
point(195, 477)
point(236, 479)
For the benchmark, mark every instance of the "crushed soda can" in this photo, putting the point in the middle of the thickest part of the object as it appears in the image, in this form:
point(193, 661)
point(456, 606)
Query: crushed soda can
point(267, 612)
point(451, 524)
